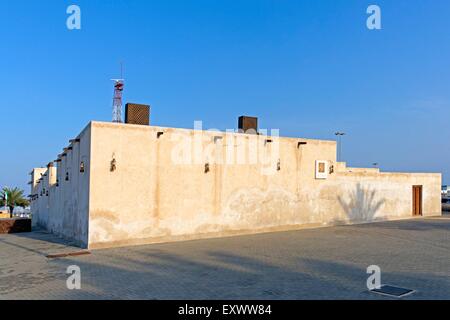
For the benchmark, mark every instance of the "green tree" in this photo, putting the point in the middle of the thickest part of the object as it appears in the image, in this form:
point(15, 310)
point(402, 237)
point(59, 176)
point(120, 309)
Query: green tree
point(15, 198)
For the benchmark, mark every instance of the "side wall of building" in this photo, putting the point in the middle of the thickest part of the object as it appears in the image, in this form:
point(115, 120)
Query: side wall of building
point(62, 203)
point(140, 193)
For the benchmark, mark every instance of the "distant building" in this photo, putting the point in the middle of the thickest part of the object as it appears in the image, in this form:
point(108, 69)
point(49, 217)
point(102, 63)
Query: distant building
point(120, 184)
point(445, 191)
point(4, 213)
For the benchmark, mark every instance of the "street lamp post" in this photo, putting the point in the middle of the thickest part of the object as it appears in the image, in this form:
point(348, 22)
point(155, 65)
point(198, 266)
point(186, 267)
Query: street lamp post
point(339, 136)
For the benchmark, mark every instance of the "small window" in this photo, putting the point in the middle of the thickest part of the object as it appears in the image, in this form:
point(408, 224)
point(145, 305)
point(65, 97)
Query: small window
point(82, 168)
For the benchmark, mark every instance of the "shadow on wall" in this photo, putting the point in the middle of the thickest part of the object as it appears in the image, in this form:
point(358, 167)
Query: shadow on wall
point(361, 205)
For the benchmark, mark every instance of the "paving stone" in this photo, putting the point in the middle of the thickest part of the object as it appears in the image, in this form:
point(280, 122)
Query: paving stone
point(325, 263)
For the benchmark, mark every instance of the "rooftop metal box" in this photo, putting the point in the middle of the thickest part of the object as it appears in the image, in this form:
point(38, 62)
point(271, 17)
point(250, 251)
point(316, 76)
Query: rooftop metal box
point(248, 124)
point(137, 114)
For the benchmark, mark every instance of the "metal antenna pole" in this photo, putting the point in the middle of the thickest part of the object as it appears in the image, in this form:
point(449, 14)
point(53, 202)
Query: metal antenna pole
point(117, 98)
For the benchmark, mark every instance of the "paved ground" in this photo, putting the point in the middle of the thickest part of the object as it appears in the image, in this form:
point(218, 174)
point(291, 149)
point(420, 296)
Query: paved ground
point(325, 263)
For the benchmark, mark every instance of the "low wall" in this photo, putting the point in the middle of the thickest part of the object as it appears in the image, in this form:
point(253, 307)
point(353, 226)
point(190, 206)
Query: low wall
point(17, 225)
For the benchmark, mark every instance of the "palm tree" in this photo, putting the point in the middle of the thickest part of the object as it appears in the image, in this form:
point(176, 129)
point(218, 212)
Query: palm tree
point(15, 197)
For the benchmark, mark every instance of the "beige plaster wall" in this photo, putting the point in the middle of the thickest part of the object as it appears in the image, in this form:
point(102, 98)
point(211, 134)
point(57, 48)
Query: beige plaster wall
point(64, 211)
point(149, 198)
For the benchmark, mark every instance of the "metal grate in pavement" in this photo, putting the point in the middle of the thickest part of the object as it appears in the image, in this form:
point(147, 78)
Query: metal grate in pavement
point(392, 291)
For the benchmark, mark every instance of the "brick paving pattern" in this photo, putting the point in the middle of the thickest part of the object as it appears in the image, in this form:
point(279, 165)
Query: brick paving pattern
point(326, 263)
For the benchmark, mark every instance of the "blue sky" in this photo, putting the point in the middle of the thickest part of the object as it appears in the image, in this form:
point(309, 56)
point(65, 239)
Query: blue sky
point(308, 68)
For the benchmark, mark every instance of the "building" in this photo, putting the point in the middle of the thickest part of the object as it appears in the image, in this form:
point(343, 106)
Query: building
point(445, 191)
point(4, 214)
point(122, 184)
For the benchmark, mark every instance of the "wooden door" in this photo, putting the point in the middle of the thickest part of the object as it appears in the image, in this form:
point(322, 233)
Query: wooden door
point(417, 200)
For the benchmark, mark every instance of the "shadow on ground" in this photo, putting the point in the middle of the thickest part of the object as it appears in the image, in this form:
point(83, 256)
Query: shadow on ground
point(155, 274)
point(328, 263)
point(426, 224)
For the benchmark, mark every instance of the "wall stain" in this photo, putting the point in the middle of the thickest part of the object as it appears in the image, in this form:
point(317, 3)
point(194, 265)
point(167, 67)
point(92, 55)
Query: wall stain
point(107, 215)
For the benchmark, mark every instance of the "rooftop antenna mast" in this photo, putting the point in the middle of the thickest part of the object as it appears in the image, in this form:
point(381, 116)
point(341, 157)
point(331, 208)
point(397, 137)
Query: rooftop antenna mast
point(117, 99)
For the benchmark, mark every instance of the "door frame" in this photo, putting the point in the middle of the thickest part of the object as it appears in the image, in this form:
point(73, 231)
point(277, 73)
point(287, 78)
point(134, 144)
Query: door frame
point(417, 200)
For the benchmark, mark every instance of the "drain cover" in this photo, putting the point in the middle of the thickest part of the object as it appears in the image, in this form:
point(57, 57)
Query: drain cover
point(393, 291)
